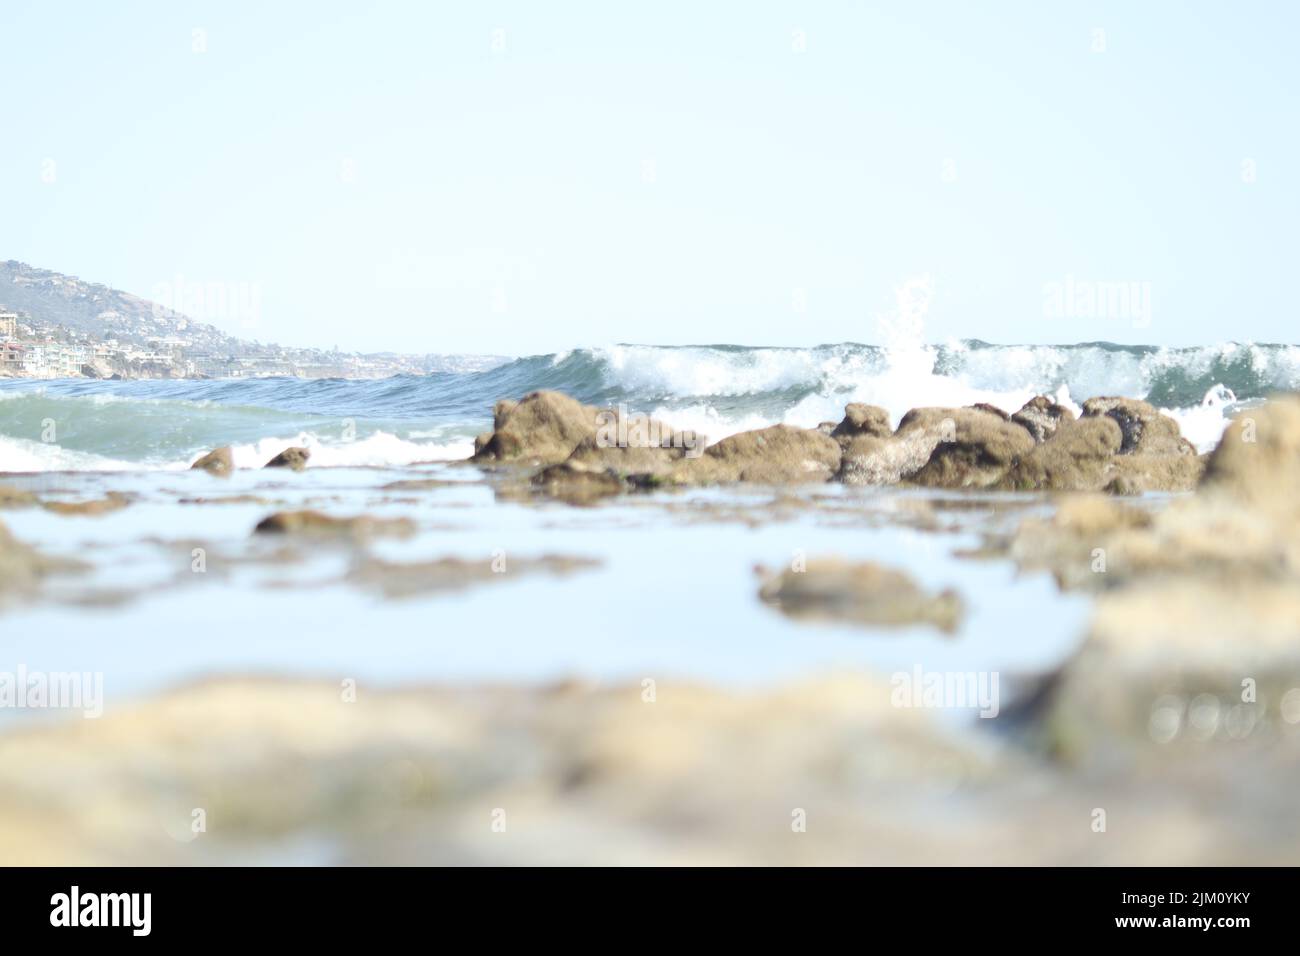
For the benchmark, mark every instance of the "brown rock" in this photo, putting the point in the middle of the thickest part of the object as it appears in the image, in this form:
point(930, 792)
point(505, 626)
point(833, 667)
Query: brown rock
point(992, 410)
point(93, 508)
point(400, 579)
point(295, 458)
point(868, 460)
point(1257, 462)
point(860, 419)
point(780, 454)
point(978, 451)
point(309, 522)
point(1041, 417)
point(1074, 458)
point(860, 593)
point(219, 461)
point(1144, 429)
point(11, 497)
point(579, 483)
point(543, 428)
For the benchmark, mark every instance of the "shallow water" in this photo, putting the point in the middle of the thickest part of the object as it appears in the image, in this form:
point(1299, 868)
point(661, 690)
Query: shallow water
point(675, 594)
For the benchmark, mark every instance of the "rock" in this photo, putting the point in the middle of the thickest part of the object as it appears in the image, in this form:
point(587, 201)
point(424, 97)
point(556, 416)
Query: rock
point(308, 522)
point(980, 449)
point(502, 410)
point(868, 460)
point(579, 483)
point(295, 458)
point(1257, 461)
point(1180, 665)
point(991, 409)
point(1041, 417)
point(402, 777)
point(219, 461)
point(1074, 458)
point(827, 428)
point(638, 445)
point(401, 579)
point(1195, 635)
point(23, 569)
point(863, 593)
point(481, 442)
point(1144, 429)
point(112, 501)
point(873, 459)
point(1138, 473)
point(11, 497)
point(777, 455)
point(543, 428)
point(862, 419)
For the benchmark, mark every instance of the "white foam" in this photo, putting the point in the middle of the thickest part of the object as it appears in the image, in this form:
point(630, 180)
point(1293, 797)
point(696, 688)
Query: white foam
point(375, 450)
point(1204, 424)
point(24, 455)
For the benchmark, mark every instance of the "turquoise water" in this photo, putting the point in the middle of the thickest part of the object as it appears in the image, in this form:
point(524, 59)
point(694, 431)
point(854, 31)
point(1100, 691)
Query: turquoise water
point(714, 390)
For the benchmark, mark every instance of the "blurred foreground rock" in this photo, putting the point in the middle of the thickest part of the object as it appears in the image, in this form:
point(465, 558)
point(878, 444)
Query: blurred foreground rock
point(1195, 638)
point(823, 772)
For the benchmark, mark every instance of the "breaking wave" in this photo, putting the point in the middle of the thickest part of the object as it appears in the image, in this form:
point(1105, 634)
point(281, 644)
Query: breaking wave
point(716, 389)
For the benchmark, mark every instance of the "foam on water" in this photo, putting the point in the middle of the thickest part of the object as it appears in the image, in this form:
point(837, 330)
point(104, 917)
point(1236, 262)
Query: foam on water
point(715, 390)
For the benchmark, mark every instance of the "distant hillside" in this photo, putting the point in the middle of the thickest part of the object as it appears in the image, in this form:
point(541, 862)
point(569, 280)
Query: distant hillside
point(53, 298)
point(151, 341)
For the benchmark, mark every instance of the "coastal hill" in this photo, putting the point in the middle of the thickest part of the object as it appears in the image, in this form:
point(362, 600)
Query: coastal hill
point(66, 326)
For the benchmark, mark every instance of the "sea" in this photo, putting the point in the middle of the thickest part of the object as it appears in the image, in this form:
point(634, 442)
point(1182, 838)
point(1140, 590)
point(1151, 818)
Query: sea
point(673, 591)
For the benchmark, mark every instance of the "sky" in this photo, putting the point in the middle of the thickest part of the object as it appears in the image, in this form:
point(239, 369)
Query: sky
point(523, 178)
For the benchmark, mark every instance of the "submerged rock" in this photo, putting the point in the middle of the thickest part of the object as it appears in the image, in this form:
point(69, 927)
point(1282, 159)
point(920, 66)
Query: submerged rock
point(11, 497)
point(219, 461)
point(23, 568)
point(401, 579)
point(579, 483)
point(860, 593)
point(95, 507)
point(293, 458)
point(309, 522)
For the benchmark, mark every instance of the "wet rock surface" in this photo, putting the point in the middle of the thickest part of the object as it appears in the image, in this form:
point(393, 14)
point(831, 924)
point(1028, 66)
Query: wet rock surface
point(1179, 712)
point(864, 593)
point(219, 462)
point(310, 522)
point(1041, 416)
point(817, 772)
point(294, 459)
point(780, 454)
point(1196, 630)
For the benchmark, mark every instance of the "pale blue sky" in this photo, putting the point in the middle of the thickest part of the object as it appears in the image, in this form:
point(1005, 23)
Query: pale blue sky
point(387, 176)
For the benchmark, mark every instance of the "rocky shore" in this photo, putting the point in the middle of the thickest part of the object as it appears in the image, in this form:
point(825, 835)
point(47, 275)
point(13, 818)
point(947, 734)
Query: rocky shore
point(1177, 718)
point(1118, 445)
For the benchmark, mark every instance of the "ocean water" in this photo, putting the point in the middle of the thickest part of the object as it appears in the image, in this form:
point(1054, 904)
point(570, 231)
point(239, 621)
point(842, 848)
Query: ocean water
point(674, 595)
point(715, 390)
